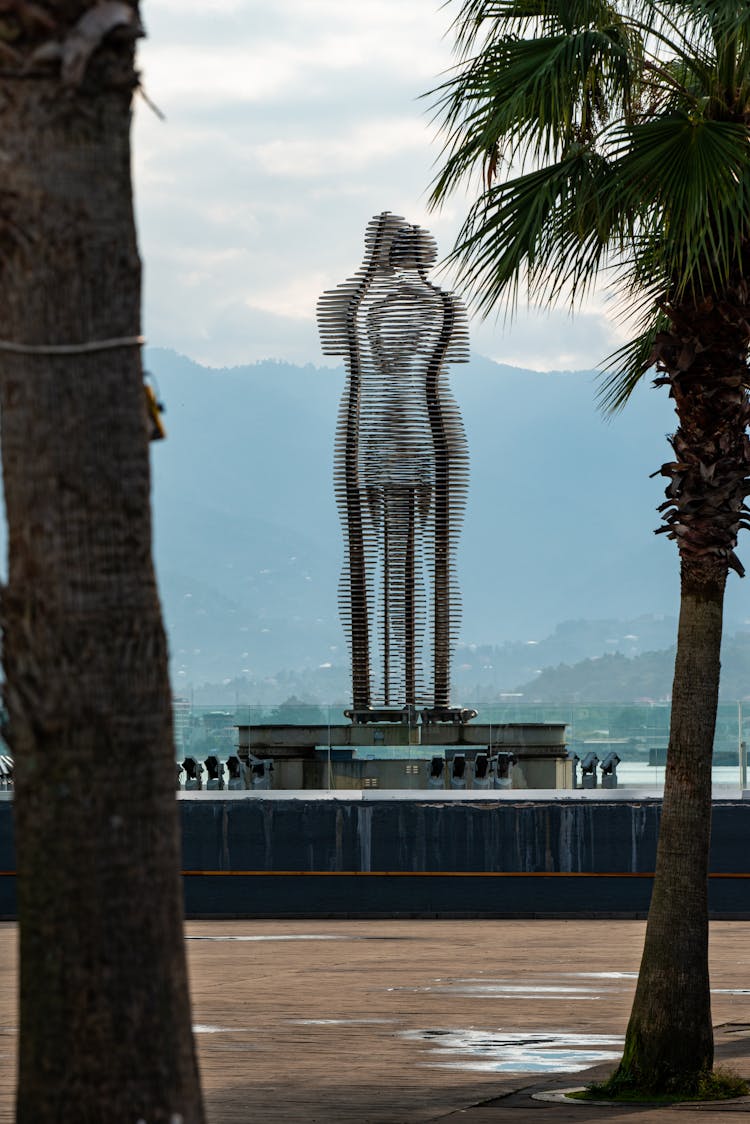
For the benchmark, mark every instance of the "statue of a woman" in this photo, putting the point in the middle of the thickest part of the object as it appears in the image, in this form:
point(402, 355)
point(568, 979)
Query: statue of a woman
point(401, 467)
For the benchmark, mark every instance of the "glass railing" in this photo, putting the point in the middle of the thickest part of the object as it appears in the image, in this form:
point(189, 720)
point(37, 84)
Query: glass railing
point(637, 734)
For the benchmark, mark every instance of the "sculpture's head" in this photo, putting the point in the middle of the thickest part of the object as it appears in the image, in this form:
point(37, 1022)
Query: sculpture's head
point(413, 248)
point(393, 243)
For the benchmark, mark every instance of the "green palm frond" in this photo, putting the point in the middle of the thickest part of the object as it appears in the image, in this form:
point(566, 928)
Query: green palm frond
point(686, 182)
point(624, 368)
point(550, 79)
point(726, 19)
point(531, 97)
point(610, 134)
point(478, 19)
point(545, 227)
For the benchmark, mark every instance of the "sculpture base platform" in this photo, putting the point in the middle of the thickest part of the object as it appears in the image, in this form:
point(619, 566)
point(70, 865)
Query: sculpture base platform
point(406, 715)
point(383, 754)
point(409, 715)
point(454, 714)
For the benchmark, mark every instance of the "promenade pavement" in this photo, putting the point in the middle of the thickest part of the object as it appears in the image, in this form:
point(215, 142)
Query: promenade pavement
point(400, 1022)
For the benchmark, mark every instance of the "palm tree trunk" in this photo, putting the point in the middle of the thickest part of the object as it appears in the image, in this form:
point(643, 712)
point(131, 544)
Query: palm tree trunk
point(105, 1019)
point(669, 1042)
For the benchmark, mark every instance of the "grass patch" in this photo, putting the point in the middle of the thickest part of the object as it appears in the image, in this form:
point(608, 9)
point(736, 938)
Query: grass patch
point(718, 1085)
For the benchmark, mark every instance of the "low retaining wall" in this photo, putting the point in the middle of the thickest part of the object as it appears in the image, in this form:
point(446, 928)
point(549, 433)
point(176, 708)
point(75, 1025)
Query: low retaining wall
point(507, 858)
point(250, 857)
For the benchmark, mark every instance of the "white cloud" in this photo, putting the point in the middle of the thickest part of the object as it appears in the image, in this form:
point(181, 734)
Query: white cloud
point(289, 126)
point(208, 54)
point(349, 153)
point(175, 74)
point(546, 340)
point(296, 299)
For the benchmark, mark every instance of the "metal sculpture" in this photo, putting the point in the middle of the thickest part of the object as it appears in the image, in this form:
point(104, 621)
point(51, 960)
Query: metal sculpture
point(401, 469)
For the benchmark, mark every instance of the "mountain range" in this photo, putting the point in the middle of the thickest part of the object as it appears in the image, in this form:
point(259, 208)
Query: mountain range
point(558, 528)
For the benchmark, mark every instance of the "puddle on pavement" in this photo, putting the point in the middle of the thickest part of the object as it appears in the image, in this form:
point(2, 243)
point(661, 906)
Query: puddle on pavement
point(484, 988)
point(340, 1022)
point(602, 975)
point(517, 991)
point(291, 937)
point(499, 989)
point(274, 937)
point(511, 1051)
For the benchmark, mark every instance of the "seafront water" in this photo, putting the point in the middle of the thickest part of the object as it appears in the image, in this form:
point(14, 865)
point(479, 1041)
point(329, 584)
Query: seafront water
point(639, 774)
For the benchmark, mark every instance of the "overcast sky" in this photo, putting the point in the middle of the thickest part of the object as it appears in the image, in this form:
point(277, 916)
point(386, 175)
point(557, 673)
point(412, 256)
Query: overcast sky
point(289, 124)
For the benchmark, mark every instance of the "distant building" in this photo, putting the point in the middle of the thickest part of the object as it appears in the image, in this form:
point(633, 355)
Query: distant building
point(181, 711)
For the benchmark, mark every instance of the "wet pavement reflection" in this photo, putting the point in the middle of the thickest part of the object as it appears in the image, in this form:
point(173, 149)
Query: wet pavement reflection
point(514, 1051)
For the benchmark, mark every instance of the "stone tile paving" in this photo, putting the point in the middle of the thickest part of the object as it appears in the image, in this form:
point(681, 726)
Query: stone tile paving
point(391, 1022)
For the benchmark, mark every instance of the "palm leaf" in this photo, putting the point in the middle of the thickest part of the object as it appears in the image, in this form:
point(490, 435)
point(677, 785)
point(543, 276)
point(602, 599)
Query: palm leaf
point(624, 368)
point(534, 97)
point(619, 133)
point(544, 227)
point(686, 180)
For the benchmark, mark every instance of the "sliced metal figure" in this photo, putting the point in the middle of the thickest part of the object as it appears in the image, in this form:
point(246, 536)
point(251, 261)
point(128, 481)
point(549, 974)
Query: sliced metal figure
point(401, 468)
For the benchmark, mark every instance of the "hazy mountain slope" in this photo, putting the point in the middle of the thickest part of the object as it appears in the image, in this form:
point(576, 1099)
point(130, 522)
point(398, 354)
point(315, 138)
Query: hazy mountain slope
point(558, 525)
point(482, 671)
point(619, 678)
point(242, 509)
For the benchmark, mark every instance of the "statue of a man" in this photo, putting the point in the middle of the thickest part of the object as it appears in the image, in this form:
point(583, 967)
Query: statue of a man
point(401, 466)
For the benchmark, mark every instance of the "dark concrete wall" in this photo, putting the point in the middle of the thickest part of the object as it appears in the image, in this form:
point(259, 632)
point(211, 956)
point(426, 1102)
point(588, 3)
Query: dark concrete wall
point(326, 858)
point(408, 835)
point(323, 858)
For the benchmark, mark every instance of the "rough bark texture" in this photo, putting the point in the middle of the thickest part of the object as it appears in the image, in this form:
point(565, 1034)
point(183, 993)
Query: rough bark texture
point(669, 1043)
point(105, 1020)
point(703, 360)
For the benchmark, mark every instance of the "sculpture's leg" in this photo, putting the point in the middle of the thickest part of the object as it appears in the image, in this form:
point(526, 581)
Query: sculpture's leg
point(386, 614)
point(441, 560)
point(441, 608)
point(397, 597)
point(410, 631)
point(357, 565)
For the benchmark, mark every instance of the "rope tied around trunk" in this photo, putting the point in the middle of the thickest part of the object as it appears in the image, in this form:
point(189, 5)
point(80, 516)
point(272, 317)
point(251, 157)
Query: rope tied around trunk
point(14, 348)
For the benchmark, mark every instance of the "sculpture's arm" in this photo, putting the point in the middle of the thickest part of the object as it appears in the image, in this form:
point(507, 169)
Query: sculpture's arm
point(335, 313)
point(458, 348)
